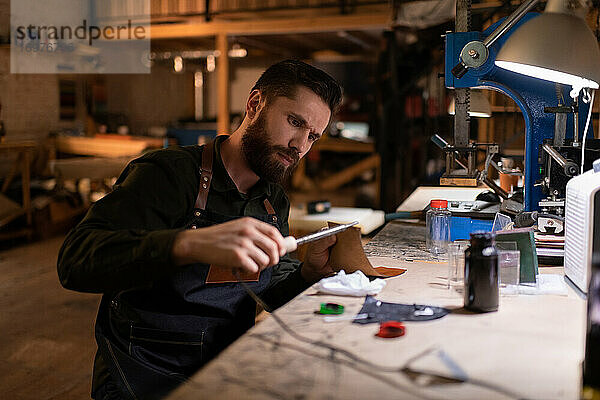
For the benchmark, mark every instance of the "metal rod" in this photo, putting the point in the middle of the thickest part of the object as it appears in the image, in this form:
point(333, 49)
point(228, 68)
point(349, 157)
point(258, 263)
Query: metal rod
point(497, 189)
point(442, 144)
point(324, 233)
point(509, 22)
point(461, 104)
point(555, 155)
point(569, 167)
point(575, 123)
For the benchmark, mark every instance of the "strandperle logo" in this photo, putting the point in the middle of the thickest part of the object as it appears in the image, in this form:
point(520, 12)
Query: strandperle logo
point(74, 36)
point(83, 32)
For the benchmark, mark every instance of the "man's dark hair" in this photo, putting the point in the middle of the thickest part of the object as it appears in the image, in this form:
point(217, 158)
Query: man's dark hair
point(282, 79)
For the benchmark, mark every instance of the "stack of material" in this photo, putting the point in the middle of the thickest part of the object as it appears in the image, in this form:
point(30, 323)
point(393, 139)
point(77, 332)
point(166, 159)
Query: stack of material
point(550, 248)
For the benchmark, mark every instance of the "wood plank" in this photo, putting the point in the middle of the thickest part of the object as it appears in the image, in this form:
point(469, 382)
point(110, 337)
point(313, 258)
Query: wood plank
point(18, 145)
point(459, 182)
point(223, 85)
point(344, 146)
point(347, 174)
point(381, 20)
point(100, 147)
point(155, 142)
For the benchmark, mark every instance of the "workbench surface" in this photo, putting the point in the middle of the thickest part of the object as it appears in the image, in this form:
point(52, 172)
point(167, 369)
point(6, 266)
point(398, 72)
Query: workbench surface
point(531, 348)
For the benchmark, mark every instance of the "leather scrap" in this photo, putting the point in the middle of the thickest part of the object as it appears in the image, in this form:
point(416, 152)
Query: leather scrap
point(349, 255)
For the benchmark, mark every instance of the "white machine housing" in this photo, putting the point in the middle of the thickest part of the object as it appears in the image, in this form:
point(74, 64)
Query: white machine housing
point(582, 225)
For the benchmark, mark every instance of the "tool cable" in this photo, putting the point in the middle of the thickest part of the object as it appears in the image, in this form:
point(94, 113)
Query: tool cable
point(587, 124)
point(353, 357)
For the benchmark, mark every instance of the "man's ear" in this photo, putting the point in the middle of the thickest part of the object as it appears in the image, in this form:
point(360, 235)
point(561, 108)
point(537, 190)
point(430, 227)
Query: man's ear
point(255, 103)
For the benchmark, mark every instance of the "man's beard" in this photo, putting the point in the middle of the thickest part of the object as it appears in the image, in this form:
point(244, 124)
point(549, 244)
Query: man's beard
point(262, 156)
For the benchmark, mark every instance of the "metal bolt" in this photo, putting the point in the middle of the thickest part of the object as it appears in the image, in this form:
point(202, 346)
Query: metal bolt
point(205, 178)
point(204, 185)
point(197, 213)
point(473, 53)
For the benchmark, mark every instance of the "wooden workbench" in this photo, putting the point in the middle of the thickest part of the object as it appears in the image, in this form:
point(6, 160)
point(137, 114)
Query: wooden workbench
point(531, 348)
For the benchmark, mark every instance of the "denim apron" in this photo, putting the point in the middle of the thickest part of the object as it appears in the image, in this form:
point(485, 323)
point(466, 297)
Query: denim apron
point(152, 339)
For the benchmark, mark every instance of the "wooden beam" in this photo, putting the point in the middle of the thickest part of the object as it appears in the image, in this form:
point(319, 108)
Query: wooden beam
point(344, 146)
point(222, 85)
point(273, 26)
point(346, 175)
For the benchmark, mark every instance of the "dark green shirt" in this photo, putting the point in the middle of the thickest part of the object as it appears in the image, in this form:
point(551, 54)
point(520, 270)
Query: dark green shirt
point(125, 239)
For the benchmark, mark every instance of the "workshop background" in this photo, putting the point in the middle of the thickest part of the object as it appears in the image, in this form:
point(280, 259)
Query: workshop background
point(65, 138)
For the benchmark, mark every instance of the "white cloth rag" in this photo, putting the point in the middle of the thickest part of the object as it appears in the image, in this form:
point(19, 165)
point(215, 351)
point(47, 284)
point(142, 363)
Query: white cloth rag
point(354, 284)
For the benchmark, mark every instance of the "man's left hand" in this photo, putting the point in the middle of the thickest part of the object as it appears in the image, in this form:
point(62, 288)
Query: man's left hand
point(316, 262)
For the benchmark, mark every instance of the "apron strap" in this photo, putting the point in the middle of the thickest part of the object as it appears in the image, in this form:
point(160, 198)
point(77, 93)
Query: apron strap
point(270, 210)
point(205, 175)
point(206, 178)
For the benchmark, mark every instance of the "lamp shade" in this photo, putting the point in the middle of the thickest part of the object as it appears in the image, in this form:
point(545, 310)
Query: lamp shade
point(479, 106)
point(555, 47)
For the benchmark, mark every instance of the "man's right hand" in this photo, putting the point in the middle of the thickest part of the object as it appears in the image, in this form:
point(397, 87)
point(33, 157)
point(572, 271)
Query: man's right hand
point(245, 243)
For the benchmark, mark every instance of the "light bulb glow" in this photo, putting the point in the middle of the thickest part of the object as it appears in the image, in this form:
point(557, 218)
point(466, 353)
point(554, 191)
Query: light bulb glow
point(178, 64)
point(473, 114)
point(547, 74)
point(210, 63)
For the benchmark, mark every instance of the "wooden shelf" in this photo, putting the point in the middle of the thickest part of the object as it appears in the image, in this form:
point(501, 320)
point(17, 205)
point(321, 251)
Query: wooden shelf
point(275, 26)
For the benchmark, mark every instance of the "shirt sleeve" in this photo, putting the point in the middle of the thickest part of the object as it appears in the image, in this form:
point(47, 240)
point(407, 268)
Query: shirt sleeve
point(286, 279)
point(125, 239)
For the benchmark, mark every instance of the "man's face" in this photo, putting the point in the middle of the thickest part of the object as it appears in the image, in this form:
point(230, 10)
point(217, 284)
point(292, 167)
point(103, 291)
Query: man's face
point(283, 132)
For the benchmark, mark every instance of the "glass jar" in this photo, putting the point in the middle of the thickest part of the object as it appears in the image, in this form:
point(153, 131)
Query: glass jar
point(481, 274)
point(437, 220)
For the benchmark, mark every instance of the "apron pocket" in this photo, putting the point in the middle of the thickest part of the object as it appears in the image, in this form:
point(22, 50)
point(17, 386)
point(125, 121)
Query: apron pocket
point(168, 351)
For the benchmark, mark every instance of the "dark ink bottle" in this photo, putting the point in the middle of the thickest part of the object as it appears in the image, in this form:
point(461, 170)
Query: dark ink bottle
point(481, 274)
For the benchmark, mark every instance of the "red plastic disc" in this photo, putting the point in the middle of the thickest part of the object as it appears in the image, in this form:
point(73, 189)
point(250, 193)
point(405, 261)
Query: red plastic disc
point(391, 329)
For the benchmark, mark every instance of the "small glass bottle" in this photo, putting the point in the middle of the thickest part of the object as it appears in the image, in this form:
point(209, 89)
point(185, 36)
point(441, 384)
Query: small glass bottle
point(481, 274)
point(437, 220)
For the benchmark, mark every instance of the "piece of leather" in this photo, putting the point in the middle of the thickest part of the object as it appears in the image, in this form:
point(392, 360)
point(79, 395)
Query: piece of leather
point(218, 274)
point(389, 272)
point(348, 254)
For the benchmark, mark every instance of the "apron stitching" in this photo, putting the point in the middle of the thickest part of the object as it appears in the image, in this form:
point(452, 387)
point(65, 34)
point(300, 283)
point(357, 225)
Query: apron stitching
point(168, 341)
point(130, 334)
point(201, 345)
point(112, 354)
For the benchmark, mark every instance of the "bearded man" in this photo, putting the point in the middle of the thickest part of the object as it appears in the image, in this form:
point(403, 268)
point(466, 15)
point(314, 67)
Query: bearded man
point(161, 246)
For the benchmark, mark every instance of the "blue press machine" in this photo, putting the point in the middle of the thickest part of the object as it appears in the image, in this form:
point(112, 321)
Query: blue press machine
point(530, 94)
